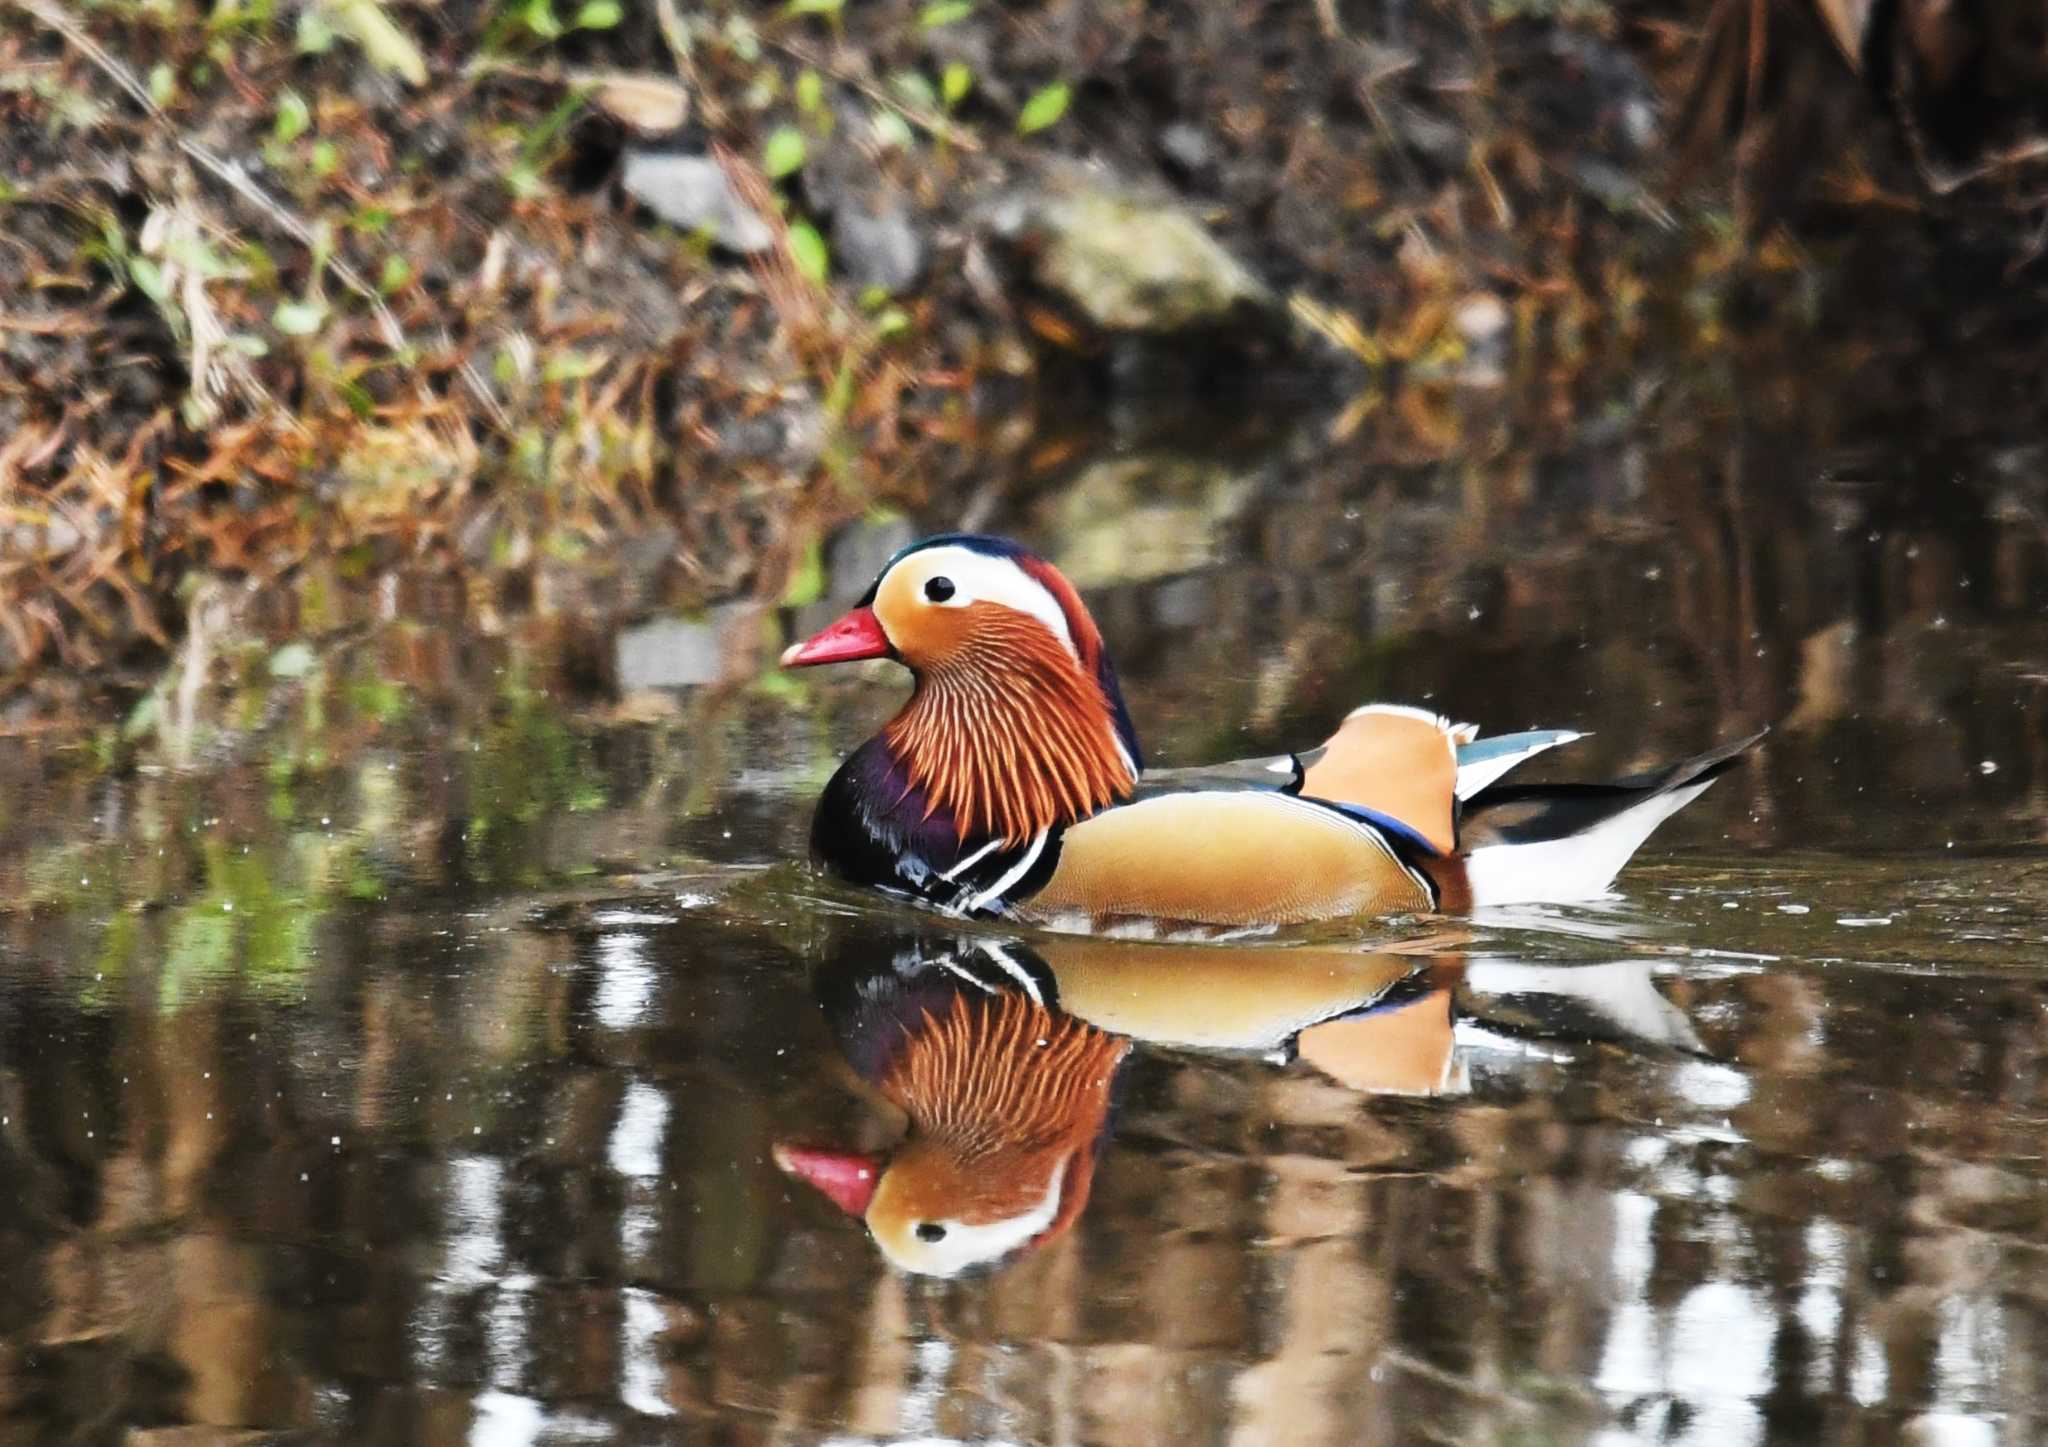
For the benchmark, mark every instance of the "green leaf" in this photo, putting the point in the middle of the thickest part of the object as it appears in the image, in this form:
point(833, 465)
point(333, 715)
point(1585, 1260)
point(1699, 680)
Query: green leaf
point(384, 43)
point(293, 117)
point(202, 943)
point(524, 182)
point(542, 136)
point(892, 130)
point(294, 660)
point(1044, 108)
point(538, 16)
point(891, 321)
point(143, 718)
point(599, 15)
point(784, 152)
point(299, 318)
point(571, 366)
point(944, 12)
point(807, 249)
point(839, 396)
point(815, 7)
point(807, 582)
point(396, 274)
point(163, 83)
point(322, 245)
point(915, 89)
point(954, 83)
point(743, 38)
point(326, 158)
point(810, 92)
point(314, 36)
point(149, 278)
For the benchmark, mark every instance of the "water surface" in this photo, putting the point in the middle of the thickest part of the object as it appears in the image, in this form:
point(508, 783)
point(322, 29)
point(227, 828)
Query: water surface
point(394, 1051)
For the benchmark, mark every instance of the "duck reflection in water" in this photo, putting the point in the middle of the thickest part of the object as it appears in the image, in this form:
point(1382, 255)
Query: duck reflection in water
point(1002, 1059)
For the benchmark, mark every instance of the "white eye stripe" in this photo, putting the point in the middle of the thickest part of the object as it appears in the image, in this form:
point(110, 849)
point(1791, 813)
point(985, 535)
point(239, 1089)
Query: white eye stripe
point(963, 1246)
point(980, 578)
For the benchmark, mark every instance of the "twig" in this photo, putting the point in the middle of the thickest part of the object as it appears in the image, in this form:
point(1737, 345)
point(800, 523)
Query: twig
point(938, 126)
point(232, 175)
point(45, 326)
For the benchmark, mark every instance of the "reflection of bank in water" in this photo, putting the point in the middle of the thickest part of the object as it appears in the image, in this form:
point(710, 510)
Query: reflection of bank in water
point(1002, 1058)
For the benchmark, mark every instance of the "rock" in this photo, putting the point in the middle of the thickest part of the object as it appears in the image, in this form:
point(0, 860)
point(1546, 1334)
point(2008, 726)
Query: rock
point(1481, 317)
point(877, 246)
point(682, 652)
point(1484, 322)
point(854, 556)
point(1128, 263)
point(1139, 519)
point(692, 192)
point(1188, 147)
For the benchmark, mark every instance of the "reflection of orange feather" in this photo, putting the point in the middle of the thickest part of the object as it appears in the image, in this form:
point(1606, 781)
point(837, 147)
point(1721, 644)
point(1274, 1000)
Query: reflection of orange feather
point(1000, 1093)
point(1009, 735)
point(1407, 1051)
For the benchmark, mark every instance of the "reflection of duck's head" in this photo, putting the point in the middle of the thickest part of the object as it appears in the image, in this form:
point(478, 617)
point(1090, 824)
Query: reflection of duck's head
point(1007, 1103)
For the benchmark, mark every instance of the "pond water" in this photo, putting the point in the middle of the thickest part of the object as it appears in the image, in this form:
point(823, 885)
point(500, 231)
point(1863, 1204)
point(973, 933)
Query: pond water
point(394, 1046)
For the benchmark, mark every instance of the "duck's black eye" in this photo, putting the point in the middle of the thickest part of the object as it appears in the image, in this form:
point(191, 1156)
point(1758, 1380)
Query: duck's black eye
point(939, 590)
point(931, 1230)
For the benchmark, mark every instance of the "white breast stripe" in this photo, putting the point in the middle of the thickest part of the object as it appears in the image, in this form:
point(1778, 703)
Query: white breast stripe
point(1015, 971)
point(970, 861)
point(1008, 881)
point(954, 967)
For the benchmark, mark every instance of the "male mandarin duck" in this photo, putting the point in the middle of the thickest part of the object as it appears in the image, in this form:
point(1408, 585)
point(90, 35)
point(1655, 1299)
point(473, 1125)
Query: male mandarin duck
point(1002, 1057)
point(1012, 784)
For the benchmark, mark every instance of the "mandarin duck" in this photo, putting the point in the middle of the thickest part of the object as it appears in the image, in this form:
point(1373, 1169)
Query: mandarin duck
point(1012, 783)
point(1002, 1058)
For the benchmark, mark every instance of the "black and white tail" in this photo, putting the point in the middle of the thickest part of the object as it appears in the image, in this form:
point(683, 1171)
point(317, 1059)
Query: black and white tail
point(1525, 843)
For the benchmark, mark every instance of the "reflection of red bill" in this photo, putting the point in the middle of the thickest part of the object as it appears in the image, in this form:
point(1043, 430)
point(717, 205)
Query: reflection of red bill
point(846, 1177)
